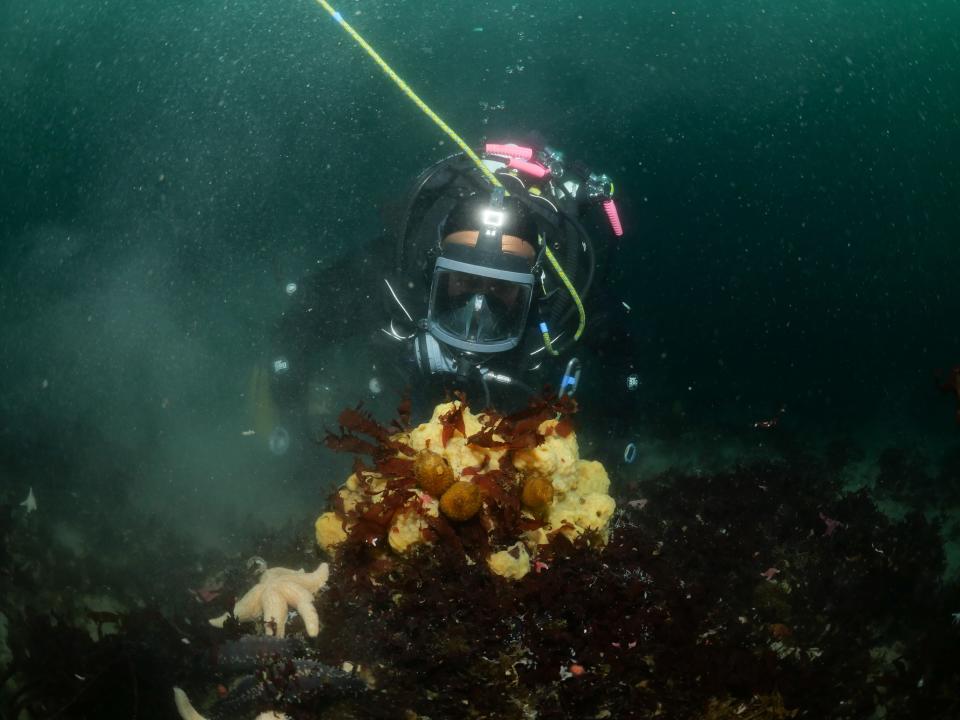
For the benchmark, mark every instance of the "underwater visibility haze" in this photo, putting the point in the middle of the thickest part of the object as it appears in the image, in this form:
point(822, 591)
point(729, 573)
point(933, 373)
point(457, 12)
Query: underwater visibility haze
point(752, 508)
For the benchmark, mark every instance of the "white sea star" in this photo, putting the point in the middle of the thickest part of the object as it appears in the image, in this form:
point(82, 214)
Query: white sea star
point(278, 589)
point(187, 712)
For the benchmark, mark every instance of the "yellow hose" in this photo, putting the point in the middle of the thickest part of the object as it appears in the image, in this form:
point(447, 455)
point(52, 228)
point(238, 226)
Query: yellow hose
point(570, 289)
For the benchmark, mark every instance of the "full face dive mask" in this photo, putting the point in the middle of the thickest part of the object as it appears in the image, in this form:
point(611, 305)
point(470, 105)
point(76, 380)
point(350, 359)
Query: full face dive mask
point(480, 295)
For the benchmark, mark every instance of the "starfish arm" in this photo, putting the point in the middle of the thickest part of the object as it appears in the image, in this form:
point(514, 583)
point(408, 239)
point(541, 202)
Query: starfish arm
point(219, 621)
point(317, 579)
point(274, 609)
point(302, 599)
point(249, 606)
point(276, 573)
point(184, 708)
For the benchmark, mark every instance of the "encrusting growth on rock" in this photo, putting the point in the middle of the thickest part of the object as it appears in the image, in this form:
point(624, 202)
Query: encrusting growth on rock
point(479, 484)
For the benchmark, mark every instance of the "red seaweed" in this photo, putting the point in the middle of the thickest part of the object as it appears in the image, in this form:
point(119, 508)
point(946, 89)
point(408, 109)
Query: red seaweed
point(501, 519)
point(395, 466)
point(345, 442)
point(402, 421)
point(453, 421)
point(485, 439)
point(355, 420)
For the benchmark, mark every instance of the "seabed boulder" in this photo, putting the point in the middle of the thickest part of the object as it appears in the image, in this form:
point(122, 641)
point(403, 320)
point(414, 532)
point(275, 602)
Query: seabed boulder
point(500, 487)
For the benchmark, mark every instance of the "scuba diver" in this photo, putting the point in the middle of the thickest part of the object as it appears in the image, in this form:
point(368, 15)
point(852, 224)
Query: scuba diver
point(485, 287)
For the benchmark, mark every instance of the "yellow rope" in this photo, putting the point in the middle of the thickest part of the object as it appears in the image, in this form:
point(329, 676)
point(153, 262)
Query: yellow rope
point(408, 91)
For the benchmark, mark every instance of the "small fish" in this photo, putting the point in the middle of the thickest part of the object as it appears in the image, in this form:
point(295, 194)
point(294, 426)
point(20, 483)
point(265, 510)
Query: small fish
point(31, 502)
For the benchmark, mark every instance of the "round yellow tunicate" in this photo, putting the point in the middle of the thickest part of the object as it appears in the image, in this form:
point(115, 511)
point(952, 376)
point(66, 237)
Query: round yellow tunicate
point(537, 491)
point(433, 472)
point(462, 501)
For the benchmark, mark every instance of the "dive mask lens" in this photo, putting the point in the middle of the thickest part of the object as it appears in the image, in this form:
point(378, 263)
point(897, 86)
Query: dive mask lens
point(478, 309)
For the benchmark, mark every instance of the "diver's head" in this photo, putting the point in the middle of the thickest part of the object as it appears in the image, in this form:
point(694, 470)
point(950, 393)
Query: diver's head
point(483, 280)
point(476, 221)
point(509, 244)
